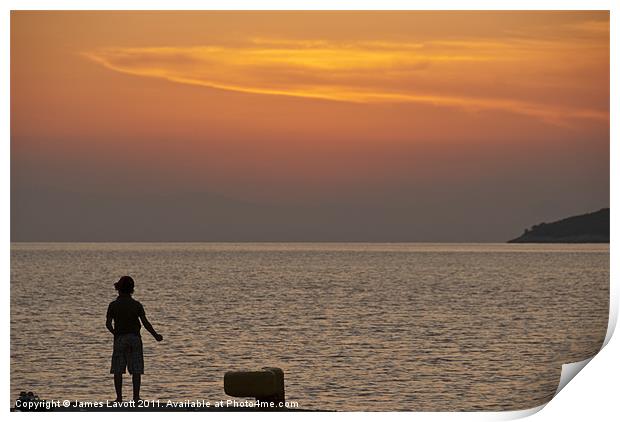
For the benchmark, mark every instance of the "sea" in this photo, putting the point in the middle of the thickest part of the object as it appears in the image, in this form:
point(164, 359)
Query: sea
point(354, 326)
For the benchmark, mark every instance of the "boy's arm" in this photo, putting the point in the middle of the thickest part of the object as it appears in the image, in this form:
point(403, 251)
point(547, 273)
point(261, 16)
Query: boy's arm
point(108, 321)
point(149, 327)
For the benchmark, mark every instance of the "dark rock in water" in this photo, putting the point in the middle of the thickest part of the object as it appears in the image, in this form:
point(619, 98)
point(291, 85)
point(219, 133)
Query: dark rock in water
point(586, 228)
point(266, 385)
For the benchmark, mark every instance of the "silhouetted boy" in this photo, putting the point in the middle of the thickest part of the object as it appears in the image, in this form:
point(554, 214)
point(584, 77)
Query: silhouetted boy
point(127, 313)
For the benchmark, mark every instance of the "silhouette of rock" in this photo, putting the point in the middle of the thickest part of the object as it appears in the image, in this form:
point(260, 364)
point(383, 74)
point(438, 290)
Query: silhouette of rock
point(585, 228)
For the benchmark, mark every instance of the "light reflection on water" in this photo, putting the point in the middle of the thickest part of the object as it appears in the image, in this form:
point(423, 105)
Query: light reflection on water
point(354, 326)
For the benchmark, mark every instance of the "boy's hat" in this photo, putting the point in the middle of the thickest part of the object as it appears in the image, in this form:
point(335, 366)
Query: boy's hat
point(125, 283)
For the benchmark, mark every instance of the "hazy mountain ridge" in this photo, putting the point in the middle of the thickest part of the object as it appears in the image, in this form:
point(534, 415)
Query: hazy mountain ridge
point(586, 228)
point(69, 214)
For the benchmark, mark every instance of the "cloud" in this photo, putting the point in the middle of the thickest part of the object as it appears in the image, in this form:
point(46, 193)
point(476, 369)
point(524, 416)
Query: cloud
point(444, 73)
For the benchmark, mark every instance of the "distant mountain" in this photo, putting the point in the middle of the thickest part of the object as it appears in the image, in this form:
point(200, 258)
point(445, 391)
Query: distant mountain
point(586, 228)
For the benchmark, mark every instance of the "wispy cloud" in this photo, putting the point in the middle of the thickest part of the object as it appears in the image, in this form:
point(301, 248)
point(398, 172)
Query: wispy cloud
point(445, 73)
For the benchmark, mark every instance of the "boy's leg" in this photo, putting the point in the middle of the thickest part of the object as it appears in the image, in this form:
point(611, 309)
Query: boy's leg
point(135, 364)
point(119, 364)
point(136, 379)
point(118, 386)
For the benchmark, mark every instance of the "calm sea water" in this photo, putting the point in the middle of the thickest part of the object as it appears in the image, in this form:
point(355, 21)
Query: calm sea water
point(354, 326)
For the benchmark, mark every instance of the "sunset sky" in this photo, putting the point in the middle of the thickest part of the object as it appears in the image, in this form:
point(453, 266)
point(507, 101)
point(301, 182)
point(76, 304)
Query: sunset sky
point(292, 126)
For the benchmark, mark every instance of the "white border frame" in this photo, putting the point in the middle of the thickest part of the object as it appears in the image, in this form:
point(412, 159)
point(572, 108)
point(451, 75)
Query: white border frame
point(594, 387)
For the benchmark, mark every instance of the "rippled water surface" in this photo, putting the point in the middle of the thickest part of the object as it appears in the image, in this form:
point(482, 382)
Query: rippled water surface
point(354, 326)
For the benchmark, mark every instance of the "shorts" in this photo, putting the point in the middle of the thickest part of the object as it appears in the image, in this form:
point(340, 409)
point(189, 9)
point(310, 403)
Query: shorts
point(127, 354)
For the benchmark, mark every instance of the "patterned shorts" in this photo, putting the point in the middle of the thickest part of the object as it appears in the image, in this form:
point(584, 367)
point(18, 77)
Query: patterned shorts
point(127, 354)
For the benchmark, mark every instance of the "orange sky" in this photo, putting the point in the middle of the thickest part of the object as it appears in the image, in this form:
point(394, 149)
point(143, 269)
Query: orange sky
point(305, 107)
